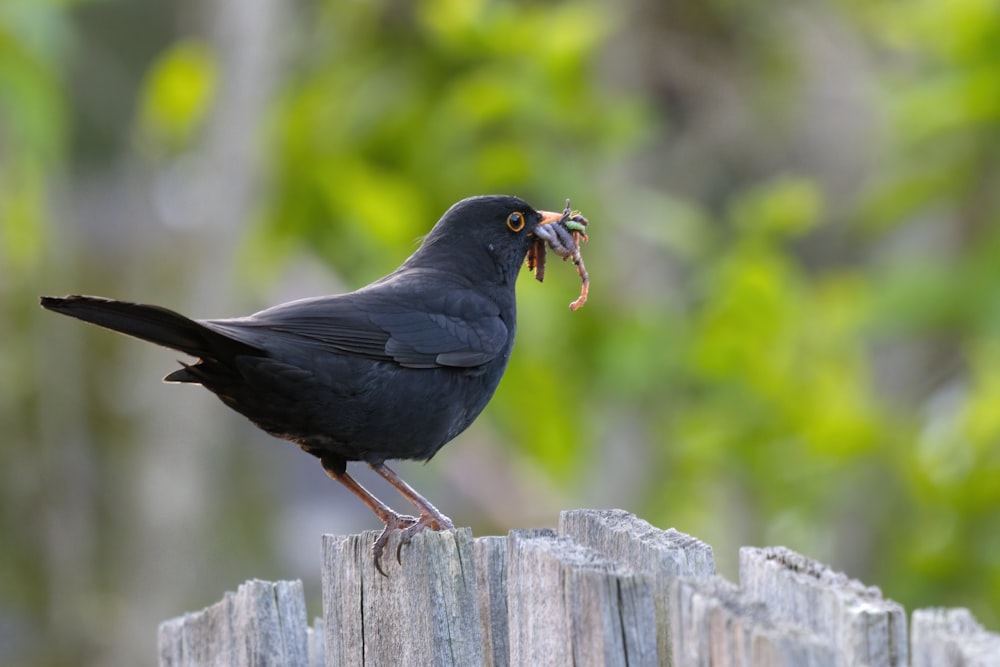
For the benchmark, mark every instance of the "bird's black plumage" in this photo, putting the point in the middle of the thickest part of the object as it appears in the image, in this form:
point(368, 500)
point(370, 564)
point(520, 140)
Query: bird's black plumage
point(393, 370)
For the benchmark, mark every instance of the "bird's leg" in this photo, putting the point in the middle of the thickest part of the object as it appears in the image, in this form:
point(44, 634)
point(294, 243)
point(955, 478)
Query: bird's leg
point(392, 519)
point(430, 516)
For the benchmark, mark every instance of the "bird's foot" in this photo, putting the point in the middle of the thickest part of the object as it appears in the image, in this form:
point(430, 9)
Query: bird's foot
point(434, 521)
point(393, 522)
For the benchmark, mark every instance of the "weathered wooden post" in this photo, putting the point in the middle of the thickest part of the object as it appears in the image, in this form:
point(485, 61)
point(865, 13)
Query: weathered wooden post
point(864, 627)
point(262, 623)
point(568, 605)
point(663, 555)
point(425, 612)
point(491, 581)
point(952, 638)
point(605, 589)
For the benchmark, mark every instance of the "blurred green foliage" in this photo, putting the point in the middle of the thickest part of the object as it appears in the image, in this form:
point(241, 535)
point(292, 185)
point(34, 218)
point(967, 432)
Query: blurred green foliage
point(176, 96)
point(472, 97)
point(32, 125)
point(777, 361)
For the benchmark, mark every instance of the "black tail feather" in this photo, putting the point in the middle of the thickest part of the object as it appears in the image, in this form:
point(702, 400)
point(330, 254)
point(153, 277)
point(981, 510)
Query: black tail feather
point(191, 373)
point(150, 323)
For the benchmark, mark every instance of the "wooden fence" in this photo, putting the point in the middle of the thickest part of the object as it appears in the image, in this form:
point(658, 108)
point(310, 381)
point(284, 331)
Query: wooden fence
point(605, 589)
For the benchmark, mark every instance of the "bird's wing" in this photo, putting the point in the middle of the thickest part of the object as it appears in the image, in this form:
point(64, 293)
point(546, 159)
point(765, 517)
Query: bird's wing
point(454, 327)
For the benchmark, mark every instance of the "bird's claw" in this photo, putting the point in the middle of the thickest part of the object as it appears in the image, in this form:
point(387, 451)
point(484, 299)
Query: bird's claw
point(410, 526)
point(392, 522)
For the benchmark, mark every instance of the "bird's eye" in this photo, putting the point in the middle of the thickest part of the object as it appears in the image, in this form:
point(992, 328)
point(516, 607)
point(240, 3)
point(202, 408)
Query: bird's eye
point(515, 221)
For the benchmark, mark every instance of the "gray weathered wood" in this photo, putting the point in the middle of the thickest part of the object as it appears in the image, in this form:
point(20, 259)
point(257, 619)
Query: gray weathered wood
point(605, 591)
point(491, 582)
point(425, 612)
point(261, 624)
point(951, 638)
point(623, 538)
point(715, 623)
point(865, 628)
point(568, 605)
point(317, 644)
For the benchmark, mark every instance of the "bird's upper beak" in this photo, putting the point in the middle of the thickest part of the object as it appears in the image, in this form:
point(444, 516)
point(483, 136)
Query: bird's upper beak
point(548, 217)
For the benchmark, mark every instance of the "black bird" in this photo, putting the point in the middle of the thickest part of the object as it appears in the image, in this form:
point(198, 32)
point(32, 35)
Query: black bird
point(393, 370)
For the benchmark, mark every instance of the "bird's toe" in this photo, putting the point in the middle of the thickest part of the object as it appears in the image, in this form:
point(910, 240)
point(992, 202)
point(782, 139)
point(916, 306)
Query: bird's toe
point(392, 522)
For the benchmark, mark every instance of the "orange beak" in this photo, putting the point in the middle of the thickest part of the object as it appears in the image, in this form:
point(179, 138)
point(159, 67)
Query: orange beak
point(548, 217)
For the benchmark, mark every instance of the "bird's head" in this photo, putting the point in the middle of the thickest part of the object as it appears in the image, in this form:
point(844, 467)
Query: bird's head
point(483, 238)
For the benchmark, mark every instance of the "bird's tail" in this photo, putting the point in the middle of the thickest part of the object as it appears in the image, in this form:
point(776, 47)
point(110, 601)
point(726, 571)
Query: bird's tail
point(150, 323)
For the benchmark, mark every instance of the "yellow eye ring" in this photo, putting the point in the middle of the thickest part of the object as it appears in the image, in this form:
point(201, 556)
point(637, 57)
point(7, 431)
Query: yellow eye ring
point(515, 221)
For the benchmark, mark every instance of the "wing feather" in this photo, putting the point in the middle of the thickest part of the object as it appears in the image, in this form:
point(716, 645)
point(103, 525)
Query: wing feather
point(461, 329)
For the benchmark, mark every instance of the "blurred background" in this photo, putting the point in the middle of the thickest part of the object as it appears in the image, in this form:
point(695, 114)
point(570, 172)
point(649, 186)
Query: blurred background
point(793, 333)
